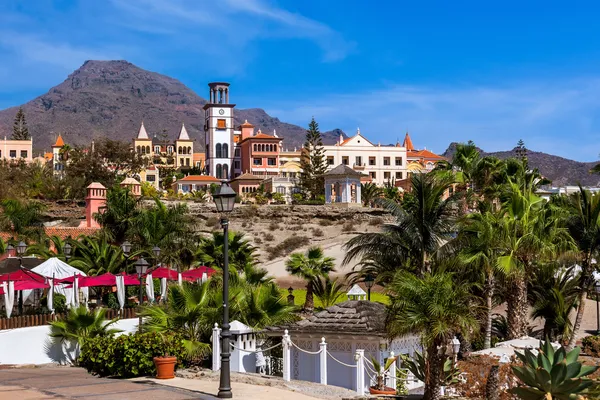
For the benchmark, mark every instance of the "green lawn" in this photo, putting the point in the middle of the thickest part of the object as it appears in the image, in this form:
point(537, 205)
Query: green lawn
point(300, 297)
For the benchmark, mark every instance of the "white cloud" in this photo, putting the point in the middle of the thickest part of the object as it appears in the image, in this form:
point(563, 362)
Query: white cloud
point(32, 49)
point(551, 117)
point(230, 23)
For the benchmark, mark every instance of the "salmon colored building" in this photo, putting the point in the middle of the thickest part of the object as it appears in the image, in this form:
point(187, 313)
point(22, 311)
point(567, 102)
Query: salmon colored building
point(259, 151)
point(14, 150)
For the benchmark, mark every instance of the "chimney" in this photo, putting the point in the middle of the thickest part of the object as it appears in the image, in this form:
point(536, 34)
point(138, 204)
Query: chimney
point(94, 202)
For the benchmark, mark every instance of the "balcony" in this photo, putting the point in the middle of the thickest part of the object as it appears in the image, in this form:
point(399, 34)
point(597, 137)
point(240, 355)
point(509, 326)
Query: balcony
point(359, 167)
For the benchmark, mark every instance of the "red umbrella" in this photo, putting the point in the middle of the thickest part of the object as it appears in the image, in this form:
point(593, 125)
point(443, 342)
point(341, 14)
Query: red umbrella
point(196, 273)
point(163, 272)
point(107, 279)
point(29, 285)
point(22, 275)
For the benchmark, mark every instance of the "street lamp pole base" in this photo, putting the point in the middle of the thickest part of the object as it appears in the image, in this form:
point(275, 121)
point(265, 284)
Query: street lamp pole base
point(225, 393)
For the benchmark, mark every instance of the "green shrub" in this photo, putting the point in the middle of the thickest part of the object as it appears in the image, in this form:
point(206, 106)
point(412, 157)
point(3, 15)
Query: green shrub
point(213, 222)
point(317, 232)
point(59, 303)
point(269, 237)
point(325, 222)
point(287, 246)
point(591, 346)
point(348, 227)
point(129, 356)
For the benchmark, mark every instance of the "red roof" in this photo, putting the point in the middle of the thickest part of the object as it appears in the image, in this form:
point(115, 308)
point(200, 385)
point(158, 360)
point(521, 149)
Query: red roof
point(64, 232)
point(424, 154)
point(59, 142)
point(408, 143)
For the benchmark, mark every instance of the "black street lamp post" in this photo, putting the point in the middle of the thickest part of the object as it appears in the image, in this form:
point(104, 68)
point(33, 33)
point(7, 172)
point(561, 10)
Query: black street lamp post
point(141, 267)
point(67, 251)
point(369, 281)
point(21, 249)
point(224, 199)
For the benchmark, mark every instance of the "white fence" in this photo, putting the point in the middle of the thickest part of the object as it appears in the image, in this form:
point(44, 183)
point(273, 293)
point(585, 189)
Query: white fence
point(361, 370)
point(33, 345)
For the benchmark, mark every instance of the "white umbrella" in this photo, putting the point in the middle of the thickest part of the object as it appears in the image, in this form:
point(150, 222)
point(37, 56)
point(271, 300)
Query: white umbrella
point(50, 300)
point(9, 296)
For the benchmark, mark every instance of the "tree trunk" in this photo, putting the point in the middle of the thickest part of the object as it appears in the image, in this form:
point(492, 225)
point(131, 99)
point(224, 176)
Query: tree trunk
point(489, 297)
point(309, 304)
point(492, 388)
point(582, 296)
point(517, 309)
point(433, 373)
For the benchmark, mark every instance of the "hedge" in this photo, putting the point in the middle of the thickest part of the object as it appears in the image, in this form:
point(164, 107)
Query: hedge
point(128, 356)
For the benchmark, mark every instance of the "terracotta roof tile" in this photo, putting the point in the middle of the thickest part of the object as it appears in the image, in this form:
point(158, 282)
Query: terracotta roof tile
point(59, 142)
point(408, 144)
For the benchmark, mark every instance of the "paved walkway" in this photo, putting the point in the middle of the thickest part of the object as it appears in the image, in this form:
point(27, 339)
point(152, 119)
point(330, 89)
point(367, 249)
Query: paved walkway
point(76, 383)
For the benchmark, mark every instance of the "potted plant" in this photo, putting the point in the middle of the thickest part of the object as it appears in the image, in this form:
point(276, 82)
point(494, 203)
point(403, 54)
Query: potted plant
point(165, 365)
point(380, 387)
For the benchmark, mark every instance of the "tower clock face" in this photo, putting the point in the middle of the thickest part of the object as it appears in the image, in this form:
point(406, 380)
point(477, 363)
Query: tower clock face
point(221, 111)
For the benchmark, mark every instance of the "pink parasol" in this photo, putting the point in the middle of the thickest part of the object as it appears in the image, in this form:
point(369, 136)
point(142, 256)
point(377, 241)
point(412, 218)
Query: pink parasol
point(22, 275)
point(196, 273)
point(163, 272)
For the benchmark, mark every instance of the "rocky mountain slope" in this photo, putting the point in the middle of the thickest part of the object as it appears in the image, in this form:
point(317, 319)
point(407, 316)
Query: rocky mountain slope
point(561, 171)
point(111, 98)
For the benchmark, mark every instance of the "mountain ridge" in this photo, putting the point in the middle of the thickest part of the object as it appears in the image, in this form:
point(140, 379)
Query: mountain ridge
point(561, 171)
point(112, 98)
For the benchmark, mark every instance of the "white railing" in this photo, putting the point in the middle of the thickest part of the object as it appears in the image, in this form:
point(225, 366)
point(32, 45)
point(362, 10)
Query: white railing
point(361, 364)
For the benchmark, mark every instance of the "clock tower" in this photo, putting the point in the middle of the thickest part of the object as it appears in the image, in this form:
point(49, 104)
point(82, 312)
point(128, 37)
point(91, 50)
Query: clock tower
point(218, 132)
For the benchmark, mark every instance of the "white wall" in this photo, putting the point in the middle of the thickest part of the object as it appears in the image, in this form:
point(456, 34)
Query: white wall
point(33, 345)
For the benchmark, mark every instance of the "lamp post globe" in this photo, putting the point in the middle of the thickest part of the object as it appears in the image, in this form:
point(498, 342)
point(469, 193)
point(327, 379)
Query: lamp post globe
point(21, 248)
point(156, 251)
point(224, 198)
point(67, 251)
point(126, 247)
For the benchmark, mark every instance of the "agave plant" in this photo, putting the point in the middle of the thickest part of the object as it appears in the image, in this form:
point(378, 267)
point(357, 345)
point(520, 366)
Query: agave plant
point(380, 372)
point(552, 374)
point(416, 366)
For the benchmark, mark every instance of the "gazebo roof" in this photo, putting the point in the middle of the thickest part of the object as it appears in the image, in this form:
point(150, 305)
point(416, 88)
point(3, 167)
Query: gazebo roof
point(355, 317)
point(342, 170)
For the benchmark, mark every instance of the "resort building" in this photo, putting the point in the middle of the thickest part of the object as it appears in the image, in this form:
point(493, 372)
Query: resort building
point(15, 150)
point(259, 152)
point(419, 160)
point(160, 153)
point(381, 163)
point(194, 183)
point(58, 161)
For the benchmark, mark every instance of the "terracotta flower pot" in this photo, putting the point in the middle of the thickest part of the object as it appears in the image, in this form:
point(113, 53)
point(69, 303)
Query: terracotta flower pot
point(165, 367)
point(386, 390)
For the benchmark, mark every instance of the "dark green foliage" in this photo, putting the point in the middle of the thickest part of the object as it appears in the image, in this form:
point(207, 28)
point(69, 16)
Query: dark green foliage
point(591, 346)
point(287, 246)
point(313, 163)
point(59, 303)
point(22, 217)
point(20, 130)
point(552, 374)
point(128, 356)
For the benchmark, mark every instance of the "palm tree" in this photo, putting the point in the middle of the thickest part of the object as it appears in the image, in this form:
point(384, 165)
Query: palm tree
point(310, 267)
point(436, 307)
point(422, 227)
point(529, 233)
point(80, 324)
point(96, 257)
point(369, 192)
point(23, 218)
point(117, 217)
point(480, 250)
point(50, 247)
point(241, 252)
point(192, 310)
point(328, 291)
point(553, 295)
point(159, 225)
point(583, 223)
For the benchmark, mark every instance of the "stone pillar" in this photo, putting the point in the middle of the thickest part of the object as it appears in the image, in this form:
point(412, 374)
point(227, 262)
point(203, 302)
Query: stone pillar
point(360, 372)
point(358, 193)
point(323, 361)
point(216, 348)
point(287, 365)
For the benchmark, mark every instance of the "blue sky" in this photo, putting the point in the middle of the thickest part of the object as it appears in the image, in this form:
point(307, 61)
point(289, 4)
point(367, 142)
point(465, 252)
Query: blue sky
point(444, 71)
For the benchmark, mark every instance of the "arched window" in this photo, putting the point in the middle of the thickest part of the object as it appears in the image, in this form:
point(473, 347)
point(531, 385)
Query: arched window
point(179, 150)
point(225, 170)
point(139, 150)
point(157, 149)
point(225, 150)
point(255, 147)
point(218, 151)
point(143, 149)
point(147, 149)
point(219, 172)
point(189, 150)
point(262, 147)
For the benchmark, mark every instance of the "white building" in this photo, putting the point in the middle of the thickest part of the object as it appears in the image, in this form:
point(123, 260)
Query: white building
point(380, 163)
point(221, 153)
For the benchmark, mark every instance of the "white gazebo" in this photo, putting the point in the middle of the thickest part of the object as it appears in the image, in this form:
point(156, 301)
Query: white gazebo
point(342, 186)
point(57, 269)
